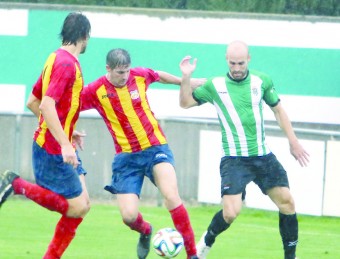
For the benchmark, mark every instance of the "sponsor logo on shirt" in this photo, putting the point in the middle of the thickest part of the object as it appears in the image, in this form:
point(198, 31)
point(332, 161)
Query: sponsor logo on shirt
point(108, 95)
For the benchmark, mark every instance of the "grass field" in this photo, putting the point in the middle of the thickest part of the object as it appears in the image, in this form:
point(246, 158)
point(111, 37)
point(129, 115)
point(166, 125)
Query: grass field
point(26, 229)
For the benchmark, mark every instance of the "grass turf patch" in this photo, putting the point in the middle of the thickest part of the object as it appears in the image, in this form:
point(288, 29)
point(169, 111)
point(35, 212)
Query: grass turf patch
point(26, 230)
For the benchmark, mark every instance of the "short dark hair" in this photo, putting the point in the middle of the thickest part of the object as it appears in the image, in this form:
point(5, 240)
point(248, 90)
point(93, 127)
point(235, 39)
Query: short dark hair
point(76, 27)
point(118, 57)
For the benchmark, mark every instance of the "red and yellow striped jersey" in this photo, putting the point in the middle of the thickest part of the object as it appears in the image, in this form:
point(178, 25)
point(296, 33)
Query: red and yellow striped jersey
point(61, 80)
point(126, 111)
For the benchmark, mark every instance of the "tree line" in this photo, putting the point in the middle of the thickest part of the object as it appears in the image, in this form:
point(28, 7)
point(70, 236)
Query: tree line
point(297, 7)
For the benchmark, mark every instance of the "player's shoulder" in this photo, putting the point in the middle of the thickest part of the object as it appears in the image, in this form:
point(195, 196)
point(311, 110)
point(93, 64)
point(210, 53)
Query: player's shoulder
point(209, 85)
point(141, 71)
point(260, 74)
point(215, 79)
point(63, 59)
point(94, 85)
point(64, 54)
point(264, 77)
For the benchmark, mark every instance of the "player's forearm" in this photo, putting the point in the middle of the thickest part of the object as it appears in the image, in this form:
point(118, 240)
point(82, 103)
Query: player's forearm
point(167, 78)
point(185, 92)
point(286, 126)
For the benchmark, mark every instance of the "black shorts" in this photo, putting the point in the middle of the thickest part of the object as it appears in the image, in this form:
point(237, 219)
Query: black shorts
point(265, 171)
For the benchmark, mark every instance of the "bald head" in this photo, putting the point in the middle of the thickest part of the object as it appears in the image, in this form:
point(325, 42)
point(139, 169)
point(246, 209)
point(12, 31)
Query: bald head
point(238, 58)
point(237, 48)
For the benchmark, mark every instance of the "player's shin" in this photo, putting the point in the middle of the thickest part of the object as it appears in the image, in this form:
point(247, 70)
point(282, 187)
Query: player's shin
point(289, 233)
point(182, 223)
point(216, 227)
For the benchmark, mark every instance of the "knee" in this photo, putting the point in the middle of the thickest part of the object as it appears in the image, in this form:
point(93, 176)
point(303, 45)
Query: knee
point(283, 199)
point(172, 201)
point(79, 210)
point(128, 220)
point(287, 206)
point(128, 217)
point(229, 216)
point(87, 207)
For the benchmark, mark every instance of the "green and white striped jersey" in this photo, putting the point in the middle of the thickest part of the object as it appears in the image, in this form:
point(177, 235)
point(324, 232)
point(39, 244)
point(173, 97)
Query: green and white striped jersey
point(239, 105)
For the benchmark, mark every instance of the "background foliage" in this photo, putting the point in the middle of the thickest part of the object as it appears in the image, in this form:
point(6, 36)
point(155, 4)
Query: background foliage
point(299, 7)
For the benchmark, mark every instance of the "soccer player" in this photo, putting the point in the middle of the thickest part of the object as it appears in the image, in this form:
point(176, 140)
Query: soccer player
point(58, 186)
point(238, 100)
point(141, 146)
point(33, 103)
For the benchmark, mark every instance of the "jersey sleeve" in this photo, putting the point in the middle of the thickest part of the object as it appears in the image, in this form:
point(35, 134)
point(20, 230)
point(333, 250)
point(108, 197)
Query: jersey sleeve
point(270, 95)
point(150, 75)
point(86, 98)
point(202, 94)
point(37, 88)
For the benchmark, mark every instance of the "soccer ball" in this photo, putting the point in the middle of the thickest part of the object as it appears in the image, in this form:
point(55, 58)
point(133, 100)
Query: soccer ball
point(167, 242)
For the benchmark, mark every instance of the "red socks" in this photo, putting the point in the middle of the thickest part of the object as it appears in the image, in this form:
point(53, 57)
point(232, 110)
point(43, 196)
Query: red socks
point(182, 223)
point(63, 235)
point(40, 195)
point(66, 227)
point(140, 225)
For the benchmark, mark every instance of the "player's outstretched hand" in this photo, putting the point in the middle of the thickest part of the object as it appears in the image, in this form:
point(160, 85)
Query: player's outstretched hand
point(186, 66)
point(299, 153)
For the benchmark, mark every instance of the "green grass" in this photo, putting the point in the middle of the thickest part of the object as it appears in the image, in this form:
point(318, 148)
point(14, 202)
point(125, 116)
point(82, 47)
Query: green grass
point(26, 229)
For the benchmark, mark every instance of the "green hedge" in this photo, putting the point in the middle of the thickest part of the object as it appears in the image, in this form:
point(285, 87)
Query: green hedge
point(301, 7)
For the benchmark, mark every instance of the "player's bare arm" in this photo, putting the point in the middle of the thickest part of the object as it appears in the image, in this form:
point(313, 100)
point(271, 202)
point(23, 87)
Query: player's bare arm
point(33, 104)
point(296, 149)
point(167, 78)
point(47, 108)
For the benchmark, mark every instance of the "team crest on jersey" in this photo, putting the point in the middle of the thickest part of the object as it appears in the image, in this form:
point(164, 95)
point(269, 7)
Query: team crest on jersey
point(134, 94)
point(255, 92)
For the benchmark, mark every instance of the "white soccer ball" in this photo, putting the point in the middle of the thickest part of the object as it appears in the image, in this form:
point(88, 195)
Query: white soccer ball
point(167, 242)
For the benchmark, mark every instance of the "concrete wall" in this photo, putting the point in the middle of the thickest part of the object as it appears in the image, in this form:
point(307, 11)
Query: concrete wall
point(196, 147)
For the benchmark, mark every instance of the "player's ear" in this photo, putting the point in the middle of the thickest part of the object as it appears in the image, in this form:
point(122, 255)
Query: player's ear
point(249, 57)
